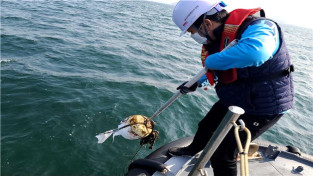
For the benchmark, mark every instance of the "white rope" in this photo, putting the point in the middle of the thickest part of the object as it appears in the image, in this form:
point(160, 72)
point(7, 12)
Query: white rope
point(244, 168)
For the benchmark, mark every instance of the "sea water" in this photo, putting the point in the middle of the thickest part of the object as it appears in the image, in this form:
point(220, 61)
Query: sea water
point(73, 69)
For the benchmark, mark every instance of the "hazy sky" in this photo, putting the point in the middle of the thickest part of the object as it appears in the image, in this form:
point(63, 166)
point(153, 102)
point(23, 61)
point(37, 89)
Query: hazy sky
point(284, 11)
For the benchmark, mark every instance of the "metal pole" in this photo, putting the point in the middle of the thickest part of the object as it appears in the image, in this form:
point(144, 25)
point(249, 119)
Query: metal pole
point(232, 115)
point(178, 94)
point(189, 83)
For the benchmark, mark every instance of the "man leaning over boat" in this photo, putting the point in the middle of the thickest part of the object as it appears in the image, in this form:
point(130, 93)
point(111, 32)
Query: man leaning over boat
point(255, 74)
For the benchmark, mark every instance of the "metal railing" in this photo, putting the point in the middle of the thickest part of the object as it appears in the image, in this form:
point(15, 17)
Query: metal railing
point(232, 115)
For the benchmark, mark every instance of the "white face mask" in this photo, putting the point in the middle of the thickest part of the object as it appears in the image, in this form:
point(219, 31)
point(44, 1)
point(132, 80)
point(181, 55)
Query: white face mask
point(198, 38)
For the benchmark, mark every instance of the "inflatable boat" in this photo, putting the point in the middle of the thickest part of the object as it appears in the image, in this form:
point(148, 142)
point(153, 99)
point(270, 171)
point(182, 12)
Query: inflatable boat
point(256, 159)
point(266, 160)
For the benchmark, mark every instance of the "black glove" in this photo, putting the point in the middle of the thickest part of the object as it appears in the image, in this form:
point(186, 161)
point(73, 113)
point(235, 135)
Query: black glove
point(184, 90)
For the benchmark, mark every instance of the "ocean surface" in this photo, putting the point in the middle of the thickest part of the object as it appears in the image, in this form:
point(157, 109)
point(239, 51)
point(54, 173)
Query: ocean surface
point(73, 69)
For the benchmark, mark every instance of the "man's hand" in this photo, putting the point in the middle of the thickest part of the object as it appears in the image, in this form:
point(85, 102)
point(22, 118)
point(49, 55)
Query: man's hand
point(184, 90)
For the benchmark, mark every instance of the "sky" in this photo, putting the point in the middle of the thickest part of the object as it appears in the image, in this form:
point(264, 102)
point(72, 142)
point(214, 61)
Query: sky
point(283, 11)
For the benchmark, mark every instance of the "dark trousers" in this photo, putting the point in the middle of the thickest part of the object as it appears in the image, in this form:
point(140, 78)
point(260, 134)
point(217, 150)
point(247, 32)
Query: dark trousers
point(224, 160)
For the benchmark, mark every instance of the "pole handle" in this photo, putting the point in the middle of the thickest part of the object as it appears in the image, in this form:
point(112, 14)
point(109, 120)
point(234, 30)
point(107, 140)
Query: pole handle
point(188, 84)
point(196, 77)
point(178, 94)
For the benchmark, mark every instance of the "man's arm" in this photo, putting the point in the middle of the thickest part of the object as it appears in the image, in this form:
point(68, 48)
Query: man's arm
point(259, 42)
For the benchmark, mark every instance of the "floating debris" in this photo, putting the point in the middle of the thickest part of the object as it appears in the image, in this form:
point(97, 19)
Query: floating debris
point(133, 127)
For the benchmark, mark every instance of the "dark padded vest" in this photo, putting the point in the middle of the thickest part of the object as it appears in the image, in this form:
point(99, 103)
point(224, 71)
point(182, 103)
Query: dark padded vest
point(269, 97)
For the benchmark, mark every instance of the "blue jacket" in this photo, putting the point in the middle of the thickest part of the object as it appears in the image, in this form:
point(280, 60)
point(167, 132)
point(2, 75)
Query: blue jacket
point(261, 51)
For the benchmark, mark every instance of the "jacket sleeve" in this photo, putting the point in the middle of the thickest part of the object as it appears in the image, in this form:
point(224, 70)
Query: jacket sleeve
point(258, 43)
point(202, 80)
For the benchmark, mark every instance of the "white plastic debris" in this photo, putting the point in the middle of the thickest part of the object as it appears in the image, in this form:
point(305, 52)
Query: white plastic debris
point(133, 127)
point(104, 136)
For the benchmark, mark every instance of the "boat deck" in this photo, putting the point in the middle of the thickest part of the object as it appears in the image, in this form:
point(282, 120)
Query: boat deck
point(284, 164)
point(269, 160)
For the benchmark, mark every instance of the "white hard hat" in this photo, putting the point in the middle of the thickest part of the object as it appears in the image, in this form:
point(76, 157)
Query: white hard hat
point(186, 12)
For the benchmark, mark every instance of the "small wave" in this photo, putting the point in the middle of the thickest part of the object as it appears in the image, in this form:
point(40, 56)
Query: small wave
point(14, 18)
point(171, 2)
point(19, 40)
point(52, 39)
point(6, 60)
